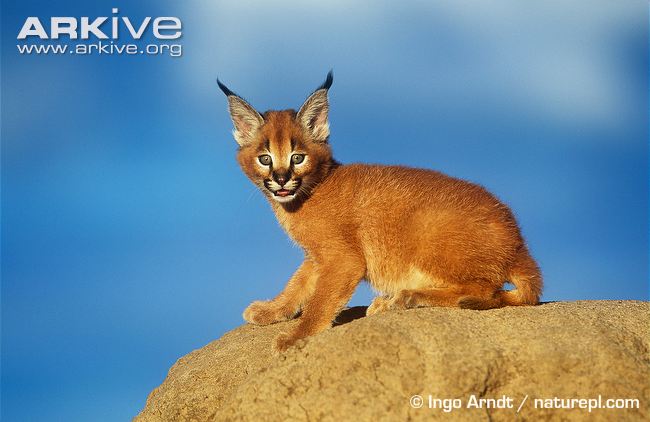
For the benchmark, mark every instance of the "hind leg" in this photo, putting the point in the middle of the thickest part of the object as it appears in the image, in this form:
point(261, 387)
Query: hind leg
point(447, 296)
point(379, 304)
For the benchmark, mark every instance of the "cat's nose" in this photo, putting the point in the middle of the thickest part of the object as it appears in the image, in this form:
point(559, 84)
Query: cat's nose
point(280, 178)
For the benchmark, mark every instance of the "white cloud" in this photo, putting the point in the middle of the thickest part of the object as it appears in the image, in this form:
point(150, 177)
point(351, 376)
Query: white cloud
point(554, 59)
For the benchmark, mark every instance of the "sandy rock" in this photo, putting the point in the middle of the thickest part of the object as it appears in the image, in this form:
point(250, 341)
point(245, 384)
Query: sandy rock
point(369, 368)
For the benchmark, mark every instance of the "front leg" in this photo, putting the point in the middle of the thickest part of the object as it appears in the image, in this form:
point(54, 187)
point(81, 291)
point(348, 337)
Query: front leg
point(335, 284)
point(287, 304)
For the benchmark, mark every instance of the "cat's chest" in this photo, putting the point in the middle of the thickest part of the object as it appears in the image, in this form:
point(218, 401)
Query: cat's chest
point(294, 226)
point(305, 229)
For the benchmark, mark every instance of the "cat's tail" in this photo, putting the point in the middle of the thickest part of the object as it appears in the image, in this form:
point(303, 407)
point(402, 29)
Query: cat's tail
point(527, 279)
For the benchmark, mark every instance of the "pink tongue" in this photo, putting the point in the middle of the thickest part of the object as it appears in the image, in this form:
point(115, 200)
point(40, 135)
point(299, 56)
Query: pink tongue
point(282, 192)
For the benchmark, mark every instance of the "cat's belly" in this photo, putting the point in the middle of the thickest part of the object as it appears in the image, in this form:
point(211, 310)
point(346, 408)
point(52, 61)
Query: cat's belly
point(388, 280)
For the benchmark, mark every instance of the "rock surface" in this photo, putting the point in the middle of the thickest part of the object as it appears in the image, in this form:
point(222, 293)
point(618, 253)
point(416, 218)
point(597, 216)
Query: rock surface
point(369, 369)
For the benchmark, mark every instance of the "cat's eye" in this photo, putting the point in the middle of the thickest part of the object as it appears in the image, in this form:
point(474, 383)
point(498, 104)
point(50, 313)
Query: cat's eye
point(297, 158)
point(265, 160)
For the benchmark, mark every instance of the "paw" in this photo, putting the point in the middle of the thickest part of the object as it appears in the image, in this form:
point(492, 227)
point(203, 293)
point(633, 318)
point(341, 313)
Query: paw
point(404, 299)
point(285, 340)
point(478, 303)
point(263, 313)
point(469, 302)
point(379, 304)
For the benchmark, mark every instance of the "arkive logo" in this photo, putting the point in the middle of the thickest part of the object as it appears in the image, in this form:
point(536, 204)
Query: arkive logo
point(113, 28)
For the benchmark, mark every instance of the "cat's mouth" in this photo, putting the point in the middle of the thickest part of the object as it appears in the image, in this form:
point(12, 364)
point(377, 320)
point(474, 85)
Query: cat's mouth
point(284, 193)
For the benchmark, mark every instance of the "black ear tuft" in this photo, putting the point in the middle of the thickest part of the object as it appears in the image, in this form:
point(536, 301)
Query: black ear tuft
point(328, 81)
point(225, 89)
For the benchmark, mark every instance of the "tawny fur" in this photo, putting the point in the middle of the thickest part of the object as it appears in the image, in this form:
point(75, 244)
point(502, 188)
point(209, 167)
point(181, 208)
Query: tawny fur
point(419, 237)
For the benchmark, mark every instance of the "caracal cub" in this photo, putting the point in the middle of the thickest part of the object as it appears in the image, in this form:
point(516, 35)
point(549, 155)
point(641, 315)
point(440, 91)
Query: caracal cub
point(419, 237)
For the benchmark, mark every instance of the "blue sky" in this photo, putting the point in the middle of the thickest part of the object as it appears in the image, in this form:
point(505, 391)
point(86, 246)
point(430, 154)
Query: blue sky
point(130, 237)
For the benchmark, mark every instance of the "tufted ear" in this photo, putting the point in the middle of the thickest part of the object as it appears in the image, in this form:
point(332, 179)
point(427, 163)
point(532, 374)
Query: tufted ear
point(245, 118)
point(313, 113)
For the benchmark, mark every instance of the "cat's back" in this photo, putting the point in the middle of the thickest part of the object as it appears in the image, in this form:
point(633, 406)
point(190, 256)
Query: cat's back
point(372, 186)
point(378, 207)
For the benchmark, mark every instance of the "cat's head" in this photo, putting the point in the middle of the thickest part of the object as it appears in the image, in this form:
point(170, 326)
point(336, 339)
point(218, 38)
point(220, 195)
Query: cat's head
point(284, 153)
